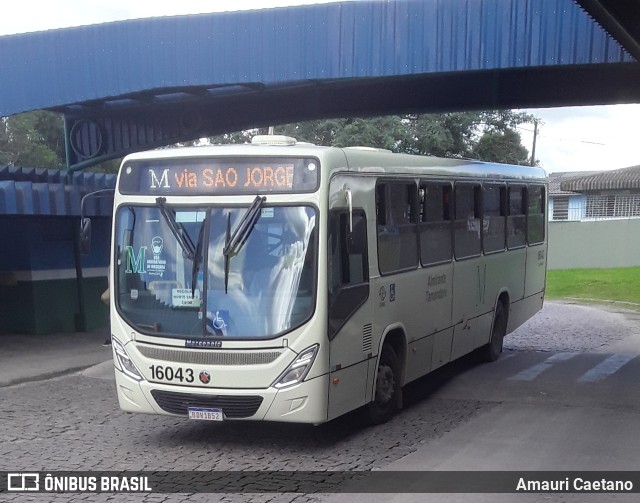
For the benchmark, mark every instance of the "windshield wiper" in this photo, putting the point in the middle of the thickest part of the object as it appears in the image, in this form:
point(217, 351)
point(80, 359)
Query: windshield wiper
point(178, 231)
point(234, 242)
point(244, 228)
point(197, 259)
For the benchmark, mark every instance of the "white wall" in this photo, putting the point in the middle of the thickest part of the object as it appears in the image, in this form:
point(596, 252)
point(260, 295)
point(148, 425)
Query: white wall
point(594, 244)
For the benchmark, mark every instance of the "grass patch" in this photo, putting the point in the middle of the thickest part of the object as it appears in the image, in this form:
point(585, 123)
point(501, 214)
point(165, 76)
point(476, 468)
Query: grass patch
point(622, 284)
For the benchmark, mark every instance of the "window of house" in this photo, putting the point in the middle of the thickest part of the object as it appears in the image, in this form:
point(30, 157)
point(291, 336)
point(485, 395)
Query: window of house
point(561, 208)
point(618, 205)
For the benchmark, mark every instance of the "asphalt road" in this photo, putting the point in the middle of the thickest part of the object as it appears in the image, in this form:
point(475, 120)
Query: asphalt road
point(564, 396)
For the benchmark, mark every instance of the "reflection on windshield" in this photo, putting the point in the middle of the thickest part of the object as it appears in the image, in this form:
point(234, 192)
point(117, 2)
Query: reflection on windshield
point(271, 279)
point(233, 242)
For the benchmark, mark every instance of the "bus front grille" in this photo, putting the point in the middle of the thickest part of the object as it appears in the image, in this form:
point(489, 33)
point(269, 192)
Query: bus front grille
point(215, 357)
point(234, 407)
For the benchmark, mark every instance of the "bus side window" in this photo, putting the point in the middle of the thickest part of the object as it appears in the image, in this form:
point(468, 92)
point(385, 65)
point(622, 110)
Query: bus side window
point(467, 220)
point(535, 214)
point(494, 217)
point(348, 267)
point(517, 218)
point(397, 217)
point(436, 225)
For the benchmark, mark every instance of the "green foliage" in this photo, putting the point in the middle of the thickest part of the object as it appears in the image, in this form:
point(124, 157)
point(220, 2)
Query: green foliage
point(33, 139)
point(36, 139)
point(237, 137)
point(111, 166)
point(488, 135)
point(501, 146)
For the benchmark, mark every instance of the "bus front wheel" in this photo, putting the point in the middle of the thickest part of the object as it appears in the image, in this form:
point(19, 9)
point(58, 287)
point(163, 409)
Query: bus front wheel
point(387, 390)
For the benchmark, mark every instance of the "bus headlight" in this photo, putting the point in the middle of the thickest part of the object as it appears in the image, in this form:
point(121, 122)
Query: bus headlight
point(123, 362)
point(299, 368)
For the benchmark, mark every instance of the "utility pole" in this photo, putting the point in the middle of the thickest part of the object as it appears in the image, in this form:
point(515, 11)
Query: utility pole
point(535, 136)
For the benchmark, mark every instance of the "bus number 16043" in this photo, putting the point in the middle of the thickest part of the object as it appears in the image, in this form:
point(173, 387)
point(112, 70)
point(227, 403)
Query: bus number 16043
point(166, 373)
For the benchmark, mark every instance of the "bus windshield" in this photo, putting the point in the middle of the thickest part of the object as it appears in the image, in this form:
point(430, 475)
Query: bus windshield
point(262, 288)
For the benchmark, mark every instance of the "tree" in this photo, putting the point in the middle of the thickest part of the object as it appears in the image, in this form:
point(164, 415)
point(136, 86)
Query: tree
point(381, 132)
point(487, 135)
point(237, 137)
point(501, 146)
point(34, 139)
point(442, 135)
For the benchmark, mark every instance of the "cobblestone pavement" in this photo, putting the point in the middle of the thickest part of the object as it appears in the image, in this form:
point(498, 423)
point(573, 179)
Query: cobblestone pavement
point(74, 423)
point(575, 327)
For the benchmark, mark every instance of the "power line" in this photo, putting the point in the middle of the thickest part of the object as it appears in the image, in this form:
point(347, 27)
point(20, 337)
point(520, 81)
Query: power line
point(561, 139)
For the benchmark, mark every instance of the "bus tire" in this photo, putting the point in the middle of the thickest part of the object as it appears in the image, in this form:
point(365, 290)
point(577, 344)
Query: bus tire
point(387, 391)
point(490, 352)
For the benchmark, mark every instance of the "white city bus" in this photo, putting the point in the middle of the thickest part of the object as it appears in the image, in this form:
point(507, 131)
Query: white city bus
point(284, 281)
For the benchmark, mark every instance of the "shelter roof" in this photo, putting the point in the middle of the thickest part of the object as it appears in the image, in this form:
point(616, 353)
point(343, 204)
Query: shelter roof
point(52, 192)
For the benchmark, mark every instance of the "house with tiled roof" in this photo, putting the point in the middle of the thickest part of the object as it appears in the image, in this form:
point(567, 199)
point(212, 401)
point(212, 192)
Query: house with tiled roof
point(595, 195)
point(565, 204)
point(594, 219)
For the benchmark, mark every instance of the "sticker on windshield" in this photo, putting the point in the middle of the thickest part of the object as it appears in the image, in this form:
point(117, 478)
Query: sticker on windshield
point(181, 297)
point(219, 322)
point(156, 266)
point(135, 261)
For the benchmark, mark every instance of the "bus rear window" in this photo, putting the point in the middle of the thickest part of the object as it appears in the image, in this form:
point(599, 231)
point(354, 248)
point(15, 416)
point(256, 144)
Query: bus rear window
point(517, 218)
point(535, 214)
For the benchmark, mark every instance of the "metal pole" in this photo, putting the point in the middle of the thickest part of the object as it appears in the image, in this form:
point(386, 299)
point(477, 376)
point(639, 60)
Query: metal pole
point(533, 148)
point(67, 149)
point(81, 315)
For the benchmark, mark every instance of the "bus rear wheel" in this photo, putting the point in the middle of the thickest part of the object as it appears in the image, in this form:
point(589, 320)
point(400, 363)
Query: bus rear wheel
point(491, 352)
point(387, 391)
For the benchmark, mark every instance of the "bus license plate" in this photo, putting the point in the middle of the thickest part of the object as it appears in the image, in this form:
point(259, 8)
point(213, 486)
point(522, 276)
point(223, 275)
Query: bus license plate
point(205, 414)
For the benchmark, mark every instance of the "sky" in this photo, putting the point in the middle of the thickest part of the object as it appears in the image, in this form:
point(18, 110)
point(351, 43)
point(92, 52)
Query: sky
point(594, 138)
point(570, 139)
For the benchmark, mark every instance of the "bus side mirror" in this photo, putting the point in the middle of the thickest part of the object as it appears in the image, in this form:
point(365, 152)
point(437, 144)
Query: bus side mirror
point(85, 236)
point(85, 222)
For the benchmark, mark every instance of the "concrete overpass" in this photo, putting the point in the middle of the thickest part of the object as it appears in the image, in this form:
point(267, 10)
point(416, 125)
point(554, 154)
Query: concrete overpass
point(134, 85)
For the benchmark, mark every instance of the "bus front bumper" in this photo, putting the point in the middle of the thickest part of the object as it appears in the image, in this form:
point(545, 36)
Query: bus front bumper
point(302, 403)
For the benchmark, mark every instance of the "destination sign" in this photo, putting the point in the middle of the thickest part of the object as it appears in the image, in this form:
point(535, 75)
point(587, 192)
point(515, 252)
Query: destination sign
point(219, 176)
